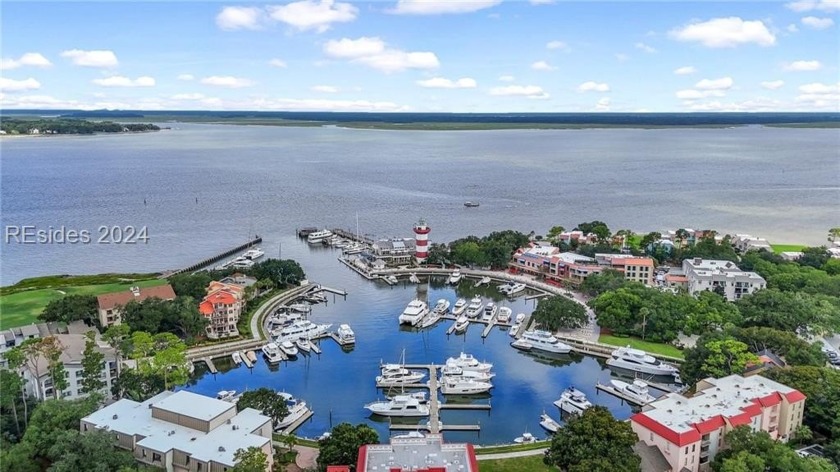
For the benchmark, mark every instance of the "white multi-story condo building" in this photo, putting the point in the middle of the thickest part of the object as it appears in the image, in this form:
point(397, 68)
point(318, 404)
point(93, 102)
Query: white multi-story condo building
point(183, 431)
point(709, 274)
point(690, 431)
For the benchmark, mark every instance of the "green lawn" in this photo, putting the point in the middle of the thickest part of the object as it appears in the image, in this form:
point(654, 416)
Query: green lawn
point(656, 348)
point(22, 308)
point(516, 464)
point(511, 448)
point(779, 248)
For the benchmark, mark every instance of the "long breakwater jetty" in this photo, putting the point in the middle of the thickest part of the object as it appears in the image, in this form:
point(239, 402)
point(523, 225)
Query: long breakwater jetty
point(435, 425)
point(212, 260)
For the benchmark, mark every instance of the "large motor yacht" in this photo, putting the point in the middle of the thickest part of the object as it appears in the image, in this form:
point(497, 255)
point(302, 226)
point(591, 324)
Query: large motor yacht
point(637, 390)
point(297, 409)
point(318, 237)
point(459, 307)
point(545, 341)
point(468, 362)
point(400, 405)
point(463, 386)
point(302, 329)
point(475, 307)
point(414, 312)
point(272, 353)
point(572, 401)
point(640, 361)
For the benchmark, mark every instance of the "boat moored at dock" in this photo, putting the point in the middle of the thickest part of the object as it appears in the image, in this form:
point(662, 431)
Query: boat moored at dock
point(442, 306)
point(489, 312)
point(463, 386)
point(468, 362)
point(572, 401)
point(302, 329)
point(455, 278)
point(548, 423)
point(545, 341)
point(504, 314)
point(303, 345)
point(272, 352)
point(637, 360)
point(414, 312)
point(288, 348)
point(318, 237)
point(399, 406)
point(237, 358)
point(637, 390)
point(345, 335)
point(297, 410)
point(461, 324)
point(459, 307)
point(475, 307)
point(226, 395)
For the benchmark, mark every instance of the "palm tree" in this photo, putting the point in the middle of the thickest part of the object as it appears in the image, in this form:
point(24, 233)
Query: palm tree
point(834, 234)
point(290, 440)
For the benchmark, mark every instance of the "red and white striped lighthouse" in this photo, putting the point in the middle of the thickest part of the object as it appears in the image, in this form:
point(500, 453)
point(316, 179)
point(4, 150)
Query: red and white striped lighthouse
point(421, 232)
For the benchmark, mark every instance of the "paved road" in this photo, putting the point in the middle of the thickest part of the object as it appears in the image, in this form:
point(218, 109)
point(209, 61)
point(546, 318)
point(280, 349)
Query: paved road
point(510, 455)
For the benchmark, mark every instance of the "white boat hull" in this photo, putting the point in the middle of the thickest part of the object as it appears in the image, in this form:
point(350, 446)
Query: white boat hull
point(644, 369)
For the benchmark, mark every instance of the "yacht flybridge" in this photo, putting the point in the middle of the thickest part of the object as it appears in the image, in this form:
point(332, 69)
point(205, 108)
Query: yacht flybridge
point(414, 312)
point(640, 361)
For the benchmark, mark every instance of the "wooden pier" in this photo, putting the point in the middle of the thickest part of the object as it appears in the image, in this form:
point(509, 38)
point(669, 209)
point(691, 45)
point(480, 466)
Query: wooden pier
point(210, 365)
point(332, 290)
point(356, 269)
point(352, 236)
point(245, 360)
point(292, 427)
point(211, 260)
point(315, 348)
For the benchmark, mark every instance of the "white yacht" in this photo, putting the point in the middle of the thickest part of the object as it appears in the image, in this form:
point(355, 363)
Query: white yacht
point(463, 386)
point(302, 308)
point(459, 307)
point(548, 423)
point(413, 278)
point(639, 361)
point(468, 362)
point(400, 405)
point(346, 334)
point(526, 438)
point(505, 287)
point(403, 377)
point(489, 312)
point(414, 312)
point(419, 396)
point(272, 353)
point(302, 329)
point(520, 317)
point(303, 344)
point(637, 390)
point(504, 314)
point(515, 289)
point(409, 435)
point(461, 324)
point(452, 370)
point(226, 395)
point(572, 401)
point(430, 320)
point(354, 248)
point(475, 307)
point(392, 280)
point(318, 237)
point(237, 358)
point(242, 263)
point(278, 320)
point(522, 344)
point(455, 277)
point(545, 341)
point(297, 409)
point(253, 253)
point(442, 306)
point(514, 330)
point(288, 348)
point(483, 281)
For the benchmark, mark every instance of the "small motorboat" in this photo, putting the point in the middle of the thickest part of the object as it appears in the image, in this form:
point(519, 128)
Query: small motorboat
point(226, 395)
point(638, 390)
point(461, 324)
point(413, 278)
point(289, 348)
point(471, 204)
point(303, 344)
point(237, 358)
point(522, 344)
point(515, 289)
point(251, 356)
point(323, 437)
point(548, 423)
point(573, 401)
point(526, 438)
point(391, 280)
point(455, 277)
point(483, 281)
point(504, 314)
point(409, 435)
point(514, 330)
point(442, 306)
point(520, 317)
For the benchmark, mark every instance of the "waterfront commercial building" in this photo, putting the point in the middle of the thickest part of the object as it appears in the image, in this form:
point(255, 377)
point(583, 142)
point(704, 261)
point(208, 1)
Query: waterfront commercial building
point(39, 383)
point(183, 431)
point(572, 268)
point(110, 304)
point(393, 252)
point(421, 454)
point(689, 432)
point(222, 307)
point(723, 276)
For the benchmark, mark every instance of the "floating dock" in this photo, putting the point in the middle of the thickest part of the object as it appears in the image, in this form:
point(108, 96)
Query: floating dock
point(210, 365)
point(245, 360)
point(356, 269)
point(292, 427)
point(211, 260)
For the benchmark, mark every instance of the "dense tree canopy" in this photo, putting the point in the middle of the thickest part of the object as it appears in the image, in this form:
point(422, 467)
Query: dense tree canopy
point(191, 285)
point(602, 282)
point(748, 451)
point(342, 446)
point(598, 228)
point(92, 451)
point(492, 250)
point(71, 308)
point(92, 361)
point(282, 272)
point(822, 387)
point(794, 349)
point(179, 316)
point(252, 459)
point(559, 312)
point(70, 126)
point(790, 311)
point(594, 442)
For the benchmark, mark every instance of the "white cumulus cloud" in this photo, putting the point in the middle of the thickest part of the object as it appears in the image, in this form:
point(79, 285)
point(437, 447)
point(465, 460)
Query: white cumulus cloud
point(644, 47)
point(227, 81)
point(808, 5)
point(439, 7)
point(185, 77)
point(542, 65)
point(722, 83)
point(792, 28)
point(313, 14)
point(819, 88)
point(557, 45)
point(324, 89)
point(803, 66)
point(603, 104)
point(234, 18)
point(95, 58)
point(817, 23)
point(444, 83)
point(725, 33)
point(33, 59)
point(528, 91)
point(773, 84)
point(278, 63)
point(374, 53)
point(685, 70)
point(121, 81)
point(692, 94)
point(592, 86)
point(188, 96)
point(12, 85)
point(506, 78)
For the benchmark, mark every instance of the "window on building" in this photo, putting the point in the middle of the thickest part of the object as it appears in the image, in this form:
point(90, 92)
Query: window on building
point(143, 452)
point(155, 457)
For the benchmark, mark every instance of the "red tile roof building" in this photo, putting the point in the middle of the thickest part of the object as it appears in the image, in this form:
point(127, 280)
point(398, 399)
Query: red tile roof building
point(690, 431)
point(222, 307)
point(572, 268)
point(424, 454)
point(110, 304)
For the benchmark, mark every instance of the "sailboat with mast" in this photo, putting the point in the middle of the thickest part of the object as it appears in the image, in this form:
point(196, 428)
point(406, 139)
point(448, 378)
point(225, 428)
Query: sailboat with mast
point(356, 246)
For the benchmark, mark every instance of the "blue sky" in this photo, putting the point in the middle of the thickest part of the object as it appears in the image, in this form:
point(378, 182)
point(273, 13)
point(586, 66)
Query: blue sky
point(421, 55)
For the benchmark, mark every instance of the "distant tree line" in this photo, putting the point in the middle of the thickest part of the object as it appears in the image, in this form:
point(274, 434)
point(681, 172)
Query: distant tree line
point(493, 250)
point(71, 126)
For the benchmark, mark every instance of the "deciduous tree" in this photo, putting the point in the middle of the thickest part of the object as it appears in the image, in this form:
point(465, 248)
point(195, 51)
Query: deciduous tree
point(266, 400)
point(342, 446)
point(252, 459)
point(559, 312)
point(92, 363)
point(593, 440)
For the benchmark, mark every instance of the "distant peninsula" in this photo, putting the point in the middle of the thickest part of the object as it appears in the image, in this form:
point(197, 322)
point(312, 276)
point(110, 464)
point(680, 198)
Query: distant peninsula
point(51, 126)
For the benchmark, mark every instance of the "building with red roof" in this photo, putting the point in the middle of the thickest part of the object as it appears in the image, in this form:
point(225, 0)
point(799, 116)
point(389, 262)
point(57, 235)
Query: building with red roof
point(417, 454)
point(110, 304)
point(222, 307)
point(690, 431)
